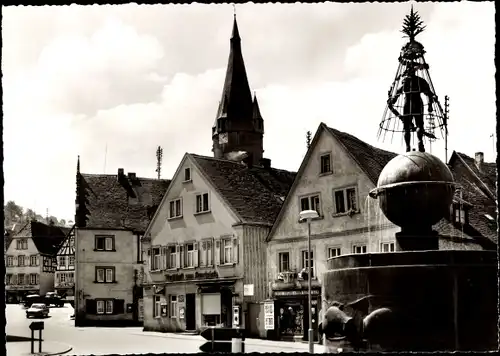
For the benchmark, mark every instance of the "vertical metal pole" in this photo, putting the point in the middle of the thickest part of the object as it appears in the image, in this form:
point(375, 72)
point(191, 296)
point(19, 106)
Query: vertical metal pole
point(32, 341)
point(40, 341)
point(309, 275)
point(446, 129)
point(213, 339)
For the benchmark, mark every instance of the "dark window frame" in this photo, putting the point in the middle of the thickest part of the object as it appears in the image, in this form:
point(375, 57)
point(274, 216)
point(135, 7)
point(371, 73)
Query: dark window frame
point(103, 238)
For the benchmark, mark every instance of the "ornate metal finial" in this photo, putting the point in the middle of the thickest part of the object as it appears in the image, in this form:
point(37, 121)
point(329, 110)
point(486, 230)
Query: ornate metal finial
point(412, 25)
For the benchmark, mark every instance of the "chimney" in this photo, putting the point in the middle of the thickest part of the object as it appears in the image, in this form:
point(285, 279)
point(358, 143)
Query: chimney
point(248, 160)
point(131, 176)
point(479, 160)
point(121, 173)
point(265, 162)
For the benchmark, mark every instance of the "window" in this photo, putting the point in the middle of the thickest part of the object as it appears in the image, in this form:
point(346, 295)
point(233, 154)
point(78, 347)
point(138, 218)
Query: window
point(387, 247)
point(187, 174)
point(8, 279)
point(33, 278)
point(190, 255)
point(305, 262)
point(13, 279)
point(202, 203)
point(20, 278)
point(22, 244)
point(345, 200)
point(333, 252)
point(105, 243)
point(20, 260)
point(25, 244)
point(326, 163)
point(109, 307)
point(100, 306)
point(172, 256)
point(310, 203)
point(156, 260)
point(71, 260)
point(175, 210)
point(359, 249)
point(19, 245)
point(62, 277)
point(10, 261)
point(33, 260)
point(157, 306)
point(284, 261)
point(173, 306)
point(206, 254)
point(460, 215)
point(105, 275)
point(62, 261)
point(227, 248)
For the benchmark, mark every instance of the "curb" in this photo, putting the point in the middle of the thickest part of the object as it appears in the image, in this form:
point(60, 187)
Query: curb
point(67, 349)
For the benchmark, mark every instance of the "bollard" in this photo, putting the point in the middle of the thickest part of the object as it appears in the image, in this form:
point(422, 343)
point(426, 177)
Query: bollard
point(236, 343)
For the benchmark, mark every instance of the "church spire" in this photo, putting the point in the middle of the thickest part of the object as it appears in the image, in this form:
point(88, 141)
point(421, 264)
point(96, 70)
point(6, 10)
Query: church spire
point(235, 128)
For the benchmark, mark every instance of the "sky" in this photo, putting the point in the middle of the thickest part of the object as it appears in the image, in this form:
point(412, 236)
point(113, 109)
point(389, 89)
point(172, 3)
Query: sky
point(112, 83)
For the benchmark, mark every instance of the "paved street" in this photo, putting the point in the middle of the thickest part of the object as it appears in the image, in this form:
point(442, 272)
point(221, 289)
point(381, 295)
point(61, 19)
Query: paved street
point(103, 341)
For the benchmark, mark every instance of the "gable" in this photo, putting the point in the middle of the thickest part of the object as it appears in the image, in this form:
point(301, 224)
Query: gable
point(218, 221)
point(31, 250)
point(346, 173)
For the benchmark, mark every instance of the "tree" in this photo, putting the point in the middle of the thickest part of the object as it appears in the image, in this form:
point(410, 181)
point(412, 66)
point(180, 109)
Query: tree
point(54, 220)
point(29, 215)
point(62, 222)
point(13, 213)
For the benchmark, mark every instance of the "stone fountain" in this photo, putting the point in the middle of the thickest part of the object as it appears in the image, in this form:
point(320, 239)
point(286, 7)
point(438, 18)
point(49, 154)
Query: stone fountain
point(419, 298)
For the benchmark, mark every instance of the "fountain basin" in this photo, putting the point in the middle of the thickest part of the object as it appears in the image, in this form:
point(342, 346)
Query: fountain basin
point(439, 300)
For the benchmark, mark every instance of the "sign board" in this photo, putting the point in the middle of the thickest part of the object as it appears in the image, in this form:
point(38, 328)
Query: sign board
point(181, 313)
point(37, 325)
point(140, 309)
point(219, 339)
point(269, 315)
point(236, 316)
point(163, 308)
point(284, 293)
point(248, 290)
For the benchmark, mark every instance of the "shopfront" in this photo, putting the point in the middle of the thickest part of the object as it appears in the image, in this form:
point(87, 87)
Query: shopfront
point(293, 313)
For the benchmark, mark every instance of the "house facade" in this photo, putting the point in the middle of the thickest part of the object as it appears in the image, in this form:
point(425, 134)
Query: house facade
point(31, 260)
point(64, 279)
point(206, 244)
point(205, 247)
point(334, 179)
point(112, 212)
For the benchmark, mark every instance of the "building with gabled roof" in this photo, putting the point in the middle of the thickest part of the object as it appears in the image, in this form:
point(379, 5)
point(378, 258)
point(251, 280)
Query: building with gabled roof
point(112, 213)
point(335, 177)
point(64, 279)
point(31, 259)
point(206, 243)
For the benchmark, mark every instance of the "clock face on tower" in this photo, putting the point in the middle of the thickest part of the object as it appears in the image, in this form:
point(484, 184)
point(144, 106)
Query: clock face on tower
point(223, 138)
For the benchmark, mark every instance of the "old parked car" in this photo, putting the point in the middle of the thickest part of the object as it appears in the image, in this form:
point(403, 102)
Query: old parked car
point(52, 298)
point(37, 310)
point(29, 300)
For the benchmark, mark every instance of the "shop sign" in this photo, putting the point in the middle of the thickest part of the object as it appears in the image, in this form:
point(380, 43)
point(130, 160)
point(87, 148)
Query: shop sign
point(269, 315)
point(181, 313)
point(140, 309)
point(20, 287)
point(191, 276)
point(288, 293)
point(181, 298)
point(248, 290)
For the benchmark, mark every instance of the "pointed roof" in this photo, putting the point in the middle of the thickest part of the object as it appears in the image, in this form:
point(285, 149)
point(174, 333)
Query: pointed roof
point(254, 193)
point(236, 99)
point(128, 202)
point(47, 238)
point(256, 109)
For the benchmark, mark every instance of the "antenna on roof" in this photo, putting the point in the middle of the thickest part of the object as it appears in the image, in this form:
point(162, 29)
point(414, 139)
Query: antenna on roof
point(445, 124)
point(492, 136)
point(159, 158)
point(47, 215)
point(234, 10)
point(105, 156)
point(308, 139)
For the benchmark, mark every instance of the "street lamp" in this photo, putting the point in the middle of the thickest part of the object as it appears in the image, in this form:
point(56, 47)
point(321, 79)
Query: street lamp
point(309, 215)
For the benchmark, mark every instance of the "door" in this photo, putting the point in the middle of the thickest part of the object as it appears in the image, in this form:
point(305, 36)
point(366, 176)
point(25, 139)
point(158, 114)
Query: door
point(191, 311)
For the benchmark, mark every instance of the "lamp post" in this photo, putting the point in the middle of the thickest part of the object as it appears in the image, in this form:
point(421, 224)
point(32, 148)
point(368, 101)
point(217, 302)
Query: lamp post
point(309, 215)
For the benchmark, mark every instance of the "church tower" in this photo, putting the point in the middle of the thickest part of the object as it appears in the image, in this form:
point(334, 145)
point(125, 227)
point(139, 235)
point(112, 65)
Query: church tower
point(238, 124)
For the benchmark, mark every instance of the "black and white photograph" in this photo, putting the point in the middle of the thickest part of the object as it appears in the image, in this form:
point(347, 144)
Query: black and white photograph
point(250, 177)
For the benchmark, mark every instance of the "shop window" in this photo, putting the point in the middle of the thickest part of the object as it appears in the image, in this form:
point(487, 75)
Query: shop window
point(156, 306)
point(359, 249)
point(173, 306)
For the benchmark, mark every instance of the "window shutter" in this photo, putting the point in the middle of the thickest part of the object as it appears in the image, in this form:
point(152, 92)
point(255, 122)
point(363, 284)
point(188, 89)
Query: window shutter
point(217, 254)
point(195, 254)
point(37, 260)
point(178, 256)
point(163, 252)
point(118, 306)
point(91, 306)
point(235, 249)
point(183, 256)
point(14, 260)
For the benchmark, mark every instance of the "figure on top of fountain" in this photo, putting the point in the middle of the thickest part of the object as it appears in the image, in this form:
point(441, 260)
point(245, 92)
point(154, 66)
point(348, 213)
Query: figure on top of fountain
point(413, 108)
point(412, 80)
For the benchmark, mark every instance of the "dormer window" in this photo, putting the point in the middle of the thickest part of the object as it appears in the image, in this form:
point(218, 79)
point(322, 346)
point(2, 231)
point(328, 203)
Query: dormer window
point(325, 163)
point(459, 214)
point(187, 174)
